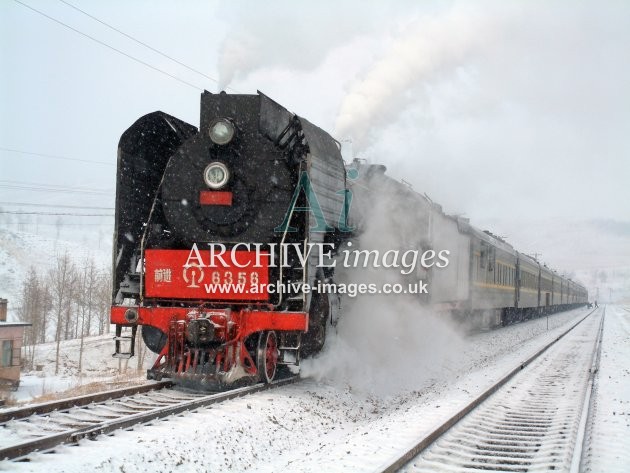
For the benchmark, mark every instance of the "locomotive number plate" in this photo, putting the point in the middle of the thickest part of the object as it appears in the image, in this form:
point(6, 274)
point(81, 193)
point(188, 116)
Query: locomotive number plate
point(174, 274)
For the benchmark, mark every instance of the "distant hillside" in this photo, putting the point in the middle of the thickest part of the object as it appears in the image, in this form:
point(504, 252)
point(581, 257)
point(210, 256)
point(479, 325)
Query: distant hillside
point(19, 250)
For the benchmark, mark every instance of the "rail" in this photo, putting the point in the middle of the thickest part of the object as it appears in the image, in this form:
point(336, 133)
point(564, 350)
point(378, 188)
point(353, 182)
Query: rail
point(428, 440)
point(152, 410)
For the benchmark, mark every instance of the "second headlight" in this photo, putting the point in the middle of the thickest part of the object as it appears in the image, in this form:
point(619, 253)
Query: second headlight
point(216, 175)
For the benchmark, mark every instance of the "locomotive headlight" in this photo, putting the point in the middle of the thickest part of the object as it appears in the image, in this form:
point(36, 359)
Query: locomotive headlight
point(216, 175)
point(221, 131)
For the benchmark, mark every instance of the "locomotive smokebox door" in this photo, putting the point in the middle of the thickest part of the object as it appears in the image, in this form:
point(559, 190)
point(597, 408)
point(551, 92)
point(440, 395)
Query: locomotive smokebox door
point(230, 182)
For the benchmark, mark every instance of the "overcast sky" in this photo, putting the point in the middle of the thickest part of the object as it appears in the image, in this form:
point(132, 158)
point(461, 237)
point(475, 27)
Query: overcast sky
point(507, 112)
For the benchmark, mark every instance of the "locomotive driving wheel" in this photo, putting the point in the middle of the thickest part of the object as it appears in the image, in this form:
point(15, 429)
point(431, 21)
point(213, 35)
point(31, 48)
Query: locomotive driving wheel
point(267, 356)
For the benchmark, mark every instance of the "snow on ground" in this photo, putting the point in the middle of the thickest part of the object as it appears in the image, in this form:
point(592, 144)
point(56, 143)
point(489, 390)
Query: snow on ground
point(98, 366)
point(33, 386)
point(608, 446)
point(315, 425)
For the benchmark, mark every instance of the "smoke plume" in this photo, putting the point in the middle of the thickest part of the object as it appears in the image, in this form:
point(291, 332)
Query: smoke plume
point(426, 48)
point(283, 36)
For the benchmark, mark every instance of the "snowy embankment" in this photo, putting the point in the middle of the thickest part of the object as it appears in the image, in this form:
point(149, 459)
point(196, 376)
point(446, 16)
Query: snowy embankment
point(315, 425)
point(97, 368)
point(19, 251)
point(608, 439)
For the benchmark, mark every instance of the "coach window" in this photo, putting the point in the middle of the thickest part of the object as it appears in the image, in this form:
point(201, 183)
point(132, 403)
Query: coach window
point(476, 265)
point(7, 353)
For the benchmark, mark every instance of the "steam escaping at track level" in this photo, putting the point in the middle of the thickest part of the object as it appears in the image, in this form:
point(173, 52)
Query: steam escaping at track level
point(386, 343)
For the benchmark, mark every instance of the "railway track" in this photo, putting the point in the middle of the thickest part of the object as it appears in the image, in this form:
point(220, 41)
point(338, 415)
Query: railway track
point(533, 419)
point(43, 427)
point(77, 401)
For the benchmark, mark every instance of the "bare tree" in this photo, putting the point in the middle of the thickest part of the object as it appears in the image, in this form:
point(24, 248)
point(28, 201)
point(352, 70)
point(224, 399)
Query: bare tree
point(86, 301)
point(61, 278)
point(35, 304)
point(104, 300)
point(27, 312)
point(67, 318)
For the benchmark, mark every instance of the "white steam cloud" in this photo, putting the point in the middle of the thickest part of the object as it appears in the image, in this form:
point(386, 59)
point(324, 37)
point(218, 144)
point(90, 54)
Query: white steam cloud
point(385, 344)
point(427, 47)
point(282, 35)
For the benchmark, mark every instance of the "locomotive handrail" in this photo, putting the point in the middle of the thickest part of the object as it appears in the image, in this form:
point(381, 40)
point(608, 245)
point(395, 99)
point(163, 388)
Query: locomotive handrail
point(144, 233)
point(304, 270)
point(284, 236)
point(278, 141)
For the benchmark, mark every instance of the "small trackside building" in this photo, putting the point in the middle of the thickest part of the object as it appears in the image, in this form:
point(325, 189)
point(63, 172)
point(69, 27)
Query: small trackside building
point(11, 336)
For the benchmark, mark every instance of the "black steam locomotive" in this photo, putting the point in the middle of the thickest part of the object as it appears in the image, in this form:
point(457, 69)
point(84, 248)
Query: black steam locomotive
point(210, 223)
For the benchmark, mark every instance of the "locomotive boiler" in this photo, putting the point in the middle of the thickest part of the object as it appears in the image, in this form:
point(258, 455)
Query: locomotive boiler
point(210, 223)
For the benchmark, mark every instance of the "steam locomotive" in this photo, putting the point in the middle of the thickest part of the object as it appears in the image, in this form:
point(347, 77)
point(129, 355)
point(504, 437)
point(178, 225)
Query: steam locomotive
point(212, 227)
point(235, 191)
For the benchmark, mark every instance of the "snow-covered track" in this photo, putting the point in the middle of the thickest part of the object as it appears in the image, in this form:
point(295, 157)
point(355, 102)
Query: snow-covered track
point(44, 432)
point(77, 401)
point(532, 419)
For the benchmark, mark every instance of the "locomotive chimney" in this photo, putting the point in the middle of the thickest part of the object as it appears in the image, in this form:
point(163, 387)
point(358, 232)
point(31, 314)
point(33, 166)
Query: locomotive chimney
point(3, 310)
